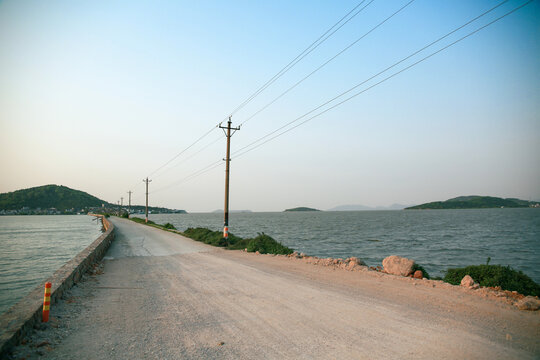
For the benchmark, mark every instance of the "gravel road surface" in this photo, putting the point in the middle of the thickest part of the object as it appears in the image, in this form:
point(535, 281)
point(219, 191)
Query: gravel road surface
point(163, 296)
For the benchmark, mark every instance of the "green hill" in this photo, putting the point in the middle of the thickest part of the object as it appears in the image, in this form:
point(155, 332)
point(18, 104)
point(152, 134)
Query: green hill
point(302, 209)
point(49, 196)
point(42, 199)
point(475, 202)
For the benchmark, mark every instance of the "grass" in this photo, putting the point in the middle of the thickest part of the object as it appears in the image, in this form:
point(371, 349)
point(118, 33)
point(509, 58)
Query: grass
point(141, 221)
point(495, 275)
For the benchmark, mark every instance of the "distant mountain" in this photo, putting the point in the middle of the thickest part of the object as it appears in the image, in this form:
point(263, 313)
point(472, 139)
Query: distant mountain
point(476, 202)
point(49, 196)
point(363, 207)
point(302, 209)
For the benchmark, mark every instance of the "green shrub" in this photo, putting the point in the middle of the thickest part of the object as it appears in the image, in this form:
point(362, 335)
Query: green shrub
point(214, 238)
point(169, 226)
point(266, 245)
point(125, 215)
point(421, 268)
point(495, 275)
point(262, 243)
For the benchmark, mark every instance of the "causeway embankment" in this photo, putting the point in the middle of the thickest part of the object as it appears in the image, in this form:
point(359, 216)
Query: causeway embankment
point(19, 321)
point(160, 295)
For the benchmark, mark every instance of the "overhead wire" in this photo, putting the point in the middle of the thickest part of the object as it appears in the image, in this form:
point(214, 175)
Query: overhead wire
point(189, 177)
point(194, 154)
point(239, 152)
point(325, 63)
point(368, 79)
point(183, 151)
point(304, 53)
point(298, 58)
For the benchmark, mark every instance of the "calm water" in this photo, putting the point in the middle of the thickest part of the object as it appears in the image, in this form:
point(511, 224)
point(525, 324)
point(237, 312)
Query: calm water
point(32, 248)
point(436, 239)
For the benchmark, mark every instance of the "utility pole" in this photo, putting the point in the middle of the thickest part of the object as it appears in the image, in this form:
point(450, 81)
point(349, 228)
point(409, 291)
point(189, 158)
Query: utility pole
point(121, 201)
point(227, 161)
point(129, 206)
point(146, 181)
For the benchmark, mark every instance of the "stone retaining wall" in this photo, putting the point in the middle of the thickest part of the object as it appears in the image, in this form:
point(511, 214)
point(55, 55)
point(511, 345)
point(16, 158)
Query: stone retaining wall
point(20, 319)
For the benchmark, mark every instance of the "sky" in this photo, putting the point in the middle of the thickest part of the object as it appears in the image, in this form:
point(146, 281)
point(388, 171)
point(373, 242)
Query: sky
point(98, 95)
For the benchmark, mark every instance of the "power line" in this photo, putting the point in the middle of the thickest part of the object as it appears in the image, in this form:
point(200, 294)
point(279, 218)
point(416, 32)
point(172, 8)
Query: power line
point(191, 176)
point(240, 152)
point(194, 154)
point(372, 77)
point(298, 58)
point(303, 54)
point(326, 63)
point(214, 164)
point(368, 88)
point(183, 151)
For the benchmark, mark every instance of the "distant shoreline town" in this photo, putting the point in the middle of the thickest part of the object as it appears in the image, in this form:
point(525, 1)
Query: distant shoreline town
point(84, 211)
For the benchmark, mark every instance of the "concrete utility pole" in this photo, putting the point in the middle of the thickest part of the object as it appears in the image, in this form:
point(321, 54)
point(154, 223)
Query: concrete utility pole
point(129, 206)
point(227, 161)
point(146, 181)
point(121, 201)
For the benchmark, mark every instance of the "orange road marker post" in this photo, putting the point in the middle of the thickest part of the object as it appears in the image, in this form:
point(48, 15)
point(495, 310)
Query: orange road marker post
point(46, 302)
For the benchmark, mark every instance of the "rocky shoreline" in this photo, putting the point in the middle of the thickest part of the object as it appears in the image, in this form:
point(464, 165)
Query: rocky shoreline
point(402, 268)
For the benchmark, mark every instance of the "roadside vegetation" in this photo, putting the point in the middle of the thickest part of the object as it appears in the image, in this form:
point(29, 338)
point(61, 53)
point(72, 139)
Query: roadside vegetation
point(261, 243)
point(495, 275)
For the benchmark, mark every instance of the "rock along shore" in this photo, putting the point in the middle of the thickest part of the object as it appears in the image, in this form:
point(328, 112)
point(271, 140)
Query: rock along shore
point(403, 268)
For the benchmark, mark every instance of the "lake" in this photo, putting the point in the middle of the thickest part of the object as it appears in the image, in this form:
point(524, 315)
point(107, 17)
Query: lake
point(32, 248)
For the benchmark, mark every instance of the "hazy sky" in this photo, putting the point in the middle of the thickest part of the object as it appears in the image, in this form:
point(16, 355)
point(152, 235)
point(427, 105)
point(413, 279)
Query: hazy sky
point(97, 95)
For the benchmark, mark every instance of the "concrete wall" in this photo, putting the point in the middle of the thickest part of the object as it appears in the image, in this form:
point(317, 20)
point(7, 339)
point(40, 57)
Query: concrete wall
point(20, 319)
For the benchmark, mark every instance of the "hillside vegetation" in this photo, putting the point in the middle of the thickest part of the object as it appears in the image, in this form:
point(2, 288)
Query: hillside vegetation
point(48, 196)
point(64, 200)
point(475, 202)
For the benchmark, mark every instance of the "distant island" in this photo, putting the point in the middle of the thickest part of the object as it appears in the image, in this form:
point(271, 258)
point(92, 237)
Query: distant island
point(302, 209)
point(476, 202)
point(57, 200)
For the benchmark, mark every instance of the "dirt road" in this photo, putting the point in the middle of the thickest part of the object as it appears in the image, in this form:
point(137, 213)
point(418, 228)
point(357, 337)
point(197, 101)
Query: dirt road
point(162, 296)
